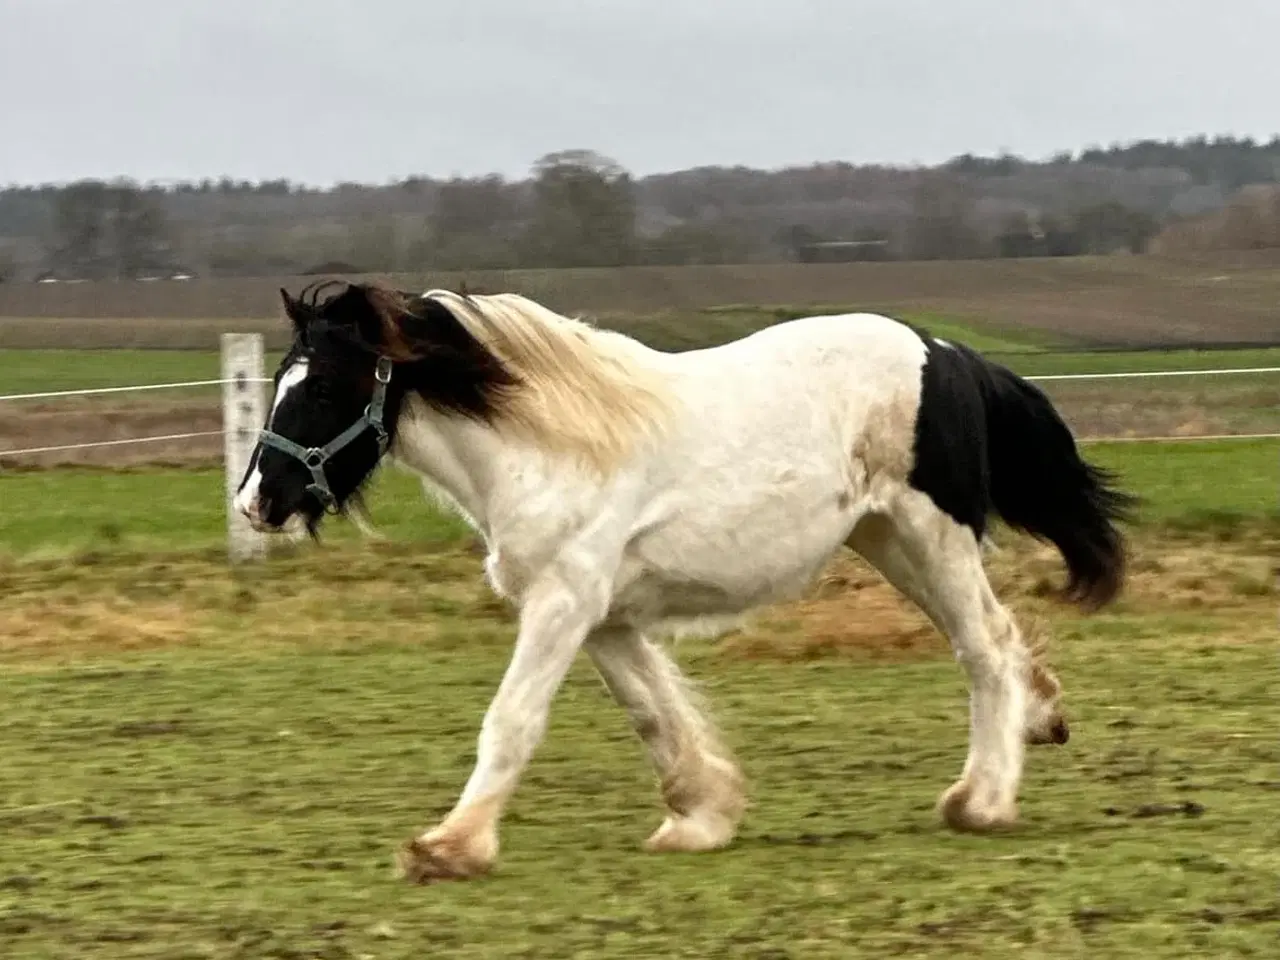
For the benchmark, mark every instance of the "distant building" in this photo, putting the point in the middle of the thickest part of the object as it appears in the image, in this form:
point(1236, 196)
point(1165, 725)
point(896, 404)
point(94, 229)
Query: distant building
point(845, 251)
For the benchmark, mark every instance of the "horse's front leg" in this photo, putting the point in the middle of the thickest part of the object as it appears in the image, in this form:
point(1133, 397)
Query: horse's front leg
point(554, 621)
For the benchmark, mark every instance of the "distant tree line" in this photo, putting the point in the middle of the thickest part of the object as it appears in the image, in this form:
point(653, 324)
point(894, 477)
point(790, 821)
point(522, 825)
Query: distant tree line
point(580, 209)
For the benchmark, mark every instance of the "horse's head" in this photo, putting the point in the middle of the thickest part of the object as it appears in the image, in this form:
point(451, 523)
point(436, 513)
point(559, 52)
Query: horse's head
point(356, 353)
point(333, 414)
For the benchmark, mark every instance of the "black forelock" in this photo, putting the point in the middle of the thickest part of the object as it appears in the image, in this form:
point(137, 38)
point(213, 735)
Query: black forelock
point(338, 314)
point(310, 294)
point(311, 306)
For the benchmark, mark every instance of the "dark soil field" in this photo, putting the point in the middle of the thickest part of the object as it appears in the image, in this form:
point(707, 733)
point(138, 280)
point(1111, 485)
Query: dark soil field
point(1128, 301)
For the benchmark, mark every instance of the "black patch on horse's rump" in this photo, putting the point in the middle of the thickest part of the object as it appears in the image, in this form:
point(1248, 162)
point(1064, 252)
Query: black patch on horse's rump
point(951, 437)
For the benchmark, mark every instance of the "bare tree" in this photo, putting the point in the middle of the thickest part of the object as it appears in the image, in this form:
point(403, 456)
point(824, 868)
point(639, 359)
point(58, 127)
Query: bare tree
point(584, 212)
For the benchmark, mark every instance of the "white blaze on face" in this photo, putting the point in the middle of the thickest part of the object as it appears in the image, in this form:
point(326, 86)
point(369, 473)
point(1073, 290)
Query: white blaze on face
point(247, 496)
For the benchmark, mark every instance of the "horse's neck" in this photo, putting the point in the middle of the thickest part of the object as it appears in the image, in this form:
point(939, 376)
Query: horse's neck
point(458, 457)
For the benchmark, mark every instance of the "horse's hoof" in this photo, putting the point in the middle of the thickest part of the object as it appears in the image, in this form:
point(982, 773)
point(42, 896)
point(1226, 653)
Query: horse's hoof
point(438, 856)
point(1057, 734)
point(692, 834)
point(963, 813)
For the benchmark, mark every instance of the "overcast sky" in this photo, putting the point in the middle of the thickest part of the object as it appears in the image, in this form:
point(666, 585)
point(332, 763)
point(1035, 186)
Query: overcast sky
point(371, 90)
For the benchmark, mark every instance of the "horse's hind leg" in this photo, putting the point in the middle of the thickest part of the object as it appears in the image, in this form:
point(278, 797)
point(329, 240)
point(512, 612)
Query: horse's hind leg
point(938, 564)
point(701, 785)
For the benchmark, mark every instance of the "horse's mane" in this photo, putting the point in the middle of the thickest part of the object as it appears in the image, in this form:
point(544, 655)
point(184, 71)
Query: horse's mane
point(583, 391)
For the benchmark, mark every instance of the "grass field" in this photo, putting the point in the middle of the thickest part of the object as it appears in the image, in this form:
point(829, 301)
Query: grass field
point(40, 371)
point(202, 763)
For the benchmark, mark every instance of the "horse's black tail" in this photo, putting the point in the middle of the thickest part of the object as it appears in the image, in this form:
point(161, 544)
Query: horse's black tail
point(1033, 476)
point(1041, 484)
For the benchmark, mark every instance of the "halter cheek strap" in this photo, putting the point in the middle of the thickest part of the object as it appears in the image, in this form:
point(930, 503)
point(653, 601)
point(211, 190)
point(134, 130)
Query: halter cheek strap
point(314, 458)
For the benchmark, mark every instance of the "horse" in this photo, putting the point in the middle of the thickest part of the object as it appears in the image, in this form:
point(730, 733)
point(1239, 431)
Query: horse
point(624, 494)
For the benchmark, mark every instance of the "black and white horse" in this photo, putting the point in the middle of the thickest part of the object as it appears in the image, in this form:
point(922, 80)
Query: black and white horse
point(625, 492)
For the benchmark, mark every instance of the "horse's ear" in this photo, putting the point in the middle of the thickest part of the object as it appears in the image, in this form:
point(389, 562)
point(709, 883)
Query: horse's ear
point(296, 316)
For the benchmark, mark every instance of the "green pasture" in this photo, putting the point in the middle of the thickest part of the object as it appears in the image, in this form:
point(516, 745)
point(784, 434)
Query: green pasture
point(52, 512)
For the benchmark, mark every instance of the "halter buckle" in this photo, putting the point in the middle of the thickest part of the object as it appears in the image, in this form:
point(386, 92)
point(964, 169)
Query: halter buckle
point(380, 430)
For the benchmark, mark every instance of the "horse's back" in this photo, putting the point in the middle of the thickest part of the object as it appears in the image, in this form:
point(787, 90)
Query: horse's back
point(804, 388)
point(863, 334)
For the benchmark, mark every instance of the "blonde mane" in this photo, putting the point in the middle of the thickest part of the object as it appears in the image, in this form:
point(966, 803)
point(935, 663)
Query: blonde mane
point(584, 391)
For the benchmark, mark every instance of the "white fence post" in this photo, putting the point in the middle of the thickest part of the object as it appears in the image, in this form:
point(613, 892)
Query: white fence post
point(243, 413)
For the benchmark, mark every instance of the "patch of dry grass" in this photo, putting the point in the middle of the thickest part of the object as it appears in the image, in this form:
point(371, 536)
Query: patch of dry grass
point(853, 612)
point(349, 595)
point(100, 604)
point(53, 628)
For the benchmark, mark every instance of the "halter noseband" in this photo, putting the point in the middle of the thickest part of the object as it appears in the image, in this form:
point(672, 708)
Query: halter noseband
point(314, 458)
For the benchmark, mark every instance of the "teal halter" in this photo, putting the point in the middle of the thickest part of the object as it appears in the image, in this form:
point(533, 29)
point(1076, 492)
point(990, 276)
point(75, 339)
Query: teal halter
point(314, 458)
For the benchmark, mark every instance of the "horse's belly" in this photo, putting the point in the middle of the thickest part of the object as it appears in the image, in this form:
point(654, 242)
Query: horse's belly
point(698, 566)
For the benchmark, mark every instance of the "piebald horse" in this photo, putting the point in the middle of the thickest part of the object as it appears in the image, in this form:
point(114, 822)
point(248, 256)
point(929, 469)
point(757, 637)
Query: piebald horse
point(624, 493)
